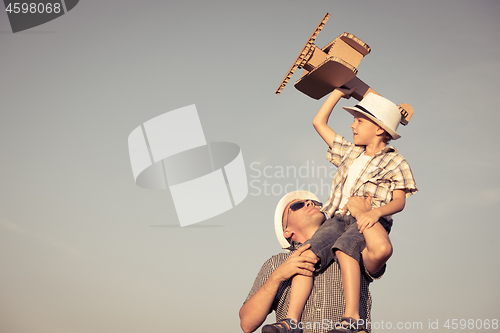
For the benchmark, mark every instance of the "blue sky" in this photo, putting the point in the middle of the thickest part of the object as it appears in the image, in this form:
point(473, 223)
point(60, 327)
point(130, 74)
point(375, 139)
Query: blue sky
point(84, 249)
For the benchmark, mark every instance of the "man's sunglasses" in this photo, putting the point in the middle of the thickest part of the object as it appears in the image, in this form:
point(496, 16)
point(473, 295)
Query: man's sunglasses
point(299, 204)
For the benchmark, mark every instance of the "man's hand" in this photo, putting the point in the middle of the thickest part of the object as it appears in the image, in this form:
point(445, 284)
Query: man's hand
point(296, 264)
point(357, 206)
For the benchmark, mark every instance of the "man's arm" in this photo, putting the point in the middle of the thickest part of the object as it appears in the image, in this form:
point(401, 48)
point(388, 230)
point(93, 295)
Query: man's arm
point(320, 121)
point(255, 310)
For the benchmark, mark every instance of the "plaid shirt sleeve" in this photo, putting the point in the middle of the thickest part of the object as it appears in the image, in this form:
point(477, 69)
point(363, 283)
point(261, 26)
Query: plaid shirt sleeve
point(338, 150)
point(265, 272)
point(403, 179)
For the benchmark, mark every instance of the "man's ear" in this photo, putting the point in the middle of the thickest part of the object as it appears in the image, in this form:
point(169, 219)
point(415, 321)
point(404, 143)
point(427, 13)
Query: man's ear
point(287, 233)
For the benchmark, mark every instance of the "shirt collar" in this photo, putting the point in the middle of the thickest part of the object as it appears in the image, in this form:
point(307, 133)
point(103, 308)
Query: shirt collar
point(294, 245)
point(387, 149)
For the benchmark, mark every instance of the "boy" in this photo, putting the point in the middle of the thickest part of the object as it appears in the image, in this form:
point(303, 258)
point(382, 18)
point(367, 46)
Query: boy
point(366, 167)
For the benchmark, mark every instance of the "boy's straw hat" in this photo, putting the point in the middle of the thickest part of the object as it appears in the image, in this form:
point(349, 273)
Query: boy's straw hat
point(380, 110)
point(280, 209)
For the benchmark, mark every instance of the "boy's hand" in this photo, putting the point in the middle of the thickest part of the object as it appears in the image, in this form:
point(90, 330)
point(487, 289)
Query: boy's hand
point(368, 219)
point(357, 206)
point(346, 93)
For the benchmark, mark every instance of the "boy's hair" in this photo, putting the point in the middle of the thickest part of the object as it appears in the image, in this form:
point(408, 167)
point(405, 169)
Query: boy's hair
point(386, 138)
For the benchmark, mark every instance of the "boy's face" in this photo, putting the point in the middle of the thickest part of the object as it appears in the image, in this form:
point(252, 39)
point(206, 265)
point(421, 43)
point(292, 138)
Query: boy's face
point(364, 131)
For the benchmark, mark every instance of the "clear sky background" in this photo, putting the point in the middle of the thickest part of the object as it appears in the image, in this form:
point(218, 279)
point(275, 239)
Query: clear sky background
point(84, 249)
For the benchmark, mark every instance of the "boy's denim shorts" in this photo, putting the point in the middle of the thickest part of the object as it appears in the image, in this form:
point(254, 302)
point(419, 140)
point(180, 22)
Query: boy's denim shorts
point(339, 233)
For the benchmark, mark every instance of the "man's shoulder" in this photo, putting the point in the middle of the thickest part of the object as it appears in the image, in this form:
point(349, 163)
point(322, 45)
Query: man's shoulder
point(277, 259)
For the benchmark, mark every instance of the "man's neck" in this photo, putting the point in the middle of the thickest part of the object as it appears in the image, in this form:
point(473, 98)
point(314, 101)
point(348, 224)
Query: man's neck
point(307, 234)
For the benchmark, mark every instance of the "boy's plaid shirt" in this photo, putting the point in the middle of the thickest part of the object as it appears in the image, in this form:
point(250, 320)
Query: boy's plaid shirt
point(385, 172)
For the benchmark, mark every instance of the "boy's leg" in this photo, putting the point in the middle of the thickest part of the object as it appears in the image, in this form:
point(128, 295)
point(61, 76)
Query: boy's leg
point(299, 293)
point(323, 239)
point(348, 249)
point(378, 248)
point(351, 280)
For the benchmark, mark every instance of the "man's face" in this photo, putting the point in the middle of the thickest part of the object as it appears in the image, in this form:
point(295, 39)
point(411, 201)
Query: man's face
point(309, 216)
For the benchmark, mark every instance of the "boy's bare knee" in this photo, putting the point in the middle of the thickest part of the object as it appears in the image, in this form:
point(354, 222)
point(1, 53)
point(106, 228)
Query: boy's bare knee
point(381, 253)
point(384, 252)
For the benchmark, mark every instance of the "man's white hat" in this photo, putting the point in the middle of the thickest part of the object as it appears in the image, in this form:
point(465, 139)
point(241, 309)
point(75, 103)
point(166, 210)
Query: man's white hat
point(380, 110)
point(280, 209)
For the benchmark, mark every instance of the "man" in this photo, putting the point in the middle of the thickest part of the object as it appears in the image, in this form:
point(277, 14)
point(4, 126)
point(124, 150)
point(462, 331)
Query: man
point(271, 289)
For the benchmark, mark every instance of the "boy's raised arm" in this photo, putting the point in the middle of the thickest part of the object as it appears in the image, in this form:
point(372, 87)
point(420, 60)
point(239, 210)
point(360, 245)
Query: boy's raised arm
point(320, 122)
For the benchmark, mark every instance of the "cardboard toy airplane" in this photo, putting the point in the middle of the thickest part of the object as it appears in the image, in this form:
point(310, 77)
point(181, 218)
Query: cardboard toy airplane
point(332, 67)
